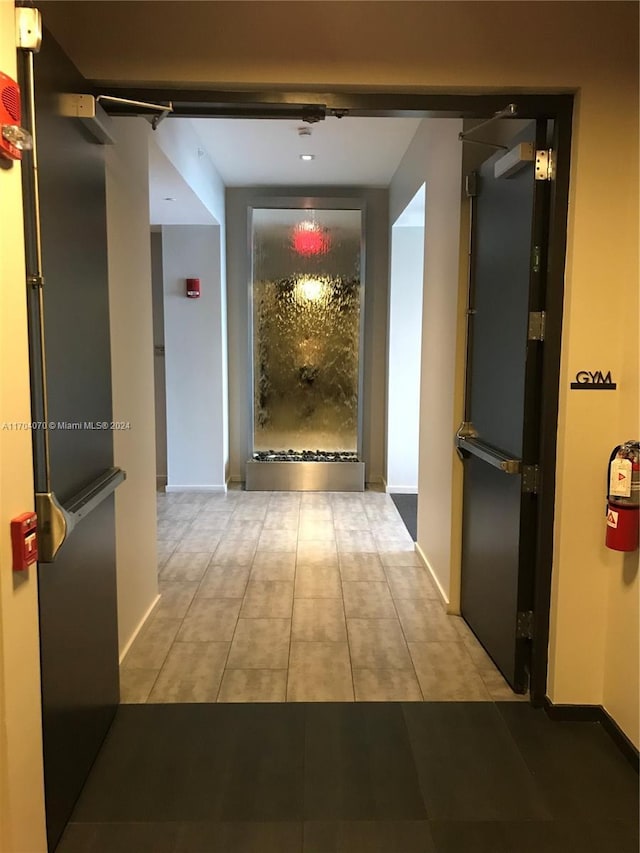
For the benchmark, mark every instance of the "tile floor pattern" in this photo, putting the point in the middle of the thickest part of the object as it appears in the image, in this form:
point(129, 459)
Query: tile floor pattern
point(298, 597)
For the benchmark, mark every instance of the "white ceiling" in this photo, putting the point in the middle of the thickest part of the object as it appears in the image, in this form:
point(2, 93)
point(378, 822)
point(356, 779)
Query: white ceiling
point(348, 151)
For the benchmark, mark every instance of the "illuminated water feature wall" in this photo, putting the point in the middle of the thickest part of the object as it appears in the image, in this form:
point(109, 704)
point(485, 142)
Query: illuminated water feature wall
point(306, 303)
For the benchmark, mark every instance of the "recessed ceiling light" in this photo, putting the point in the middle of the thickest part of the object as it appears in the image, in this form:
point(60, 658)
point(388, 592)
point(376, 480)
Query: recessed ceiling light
point(168, 198)
point(307, 157)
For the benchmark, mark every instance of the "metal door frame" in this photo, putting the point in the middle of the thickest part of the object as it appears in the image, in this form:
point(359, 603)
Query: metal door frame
point(313, 105)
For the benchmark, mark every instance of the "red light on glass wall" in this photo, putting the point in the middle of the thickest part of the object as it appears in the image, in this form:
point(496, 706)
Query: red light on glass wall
point(310, 239)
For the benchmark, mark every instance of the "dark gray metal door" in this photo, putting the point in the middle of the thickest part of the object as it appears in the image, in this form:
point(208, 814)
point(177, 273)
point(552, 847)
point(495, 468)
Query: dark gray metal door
point(77, 591)
point(499, 515)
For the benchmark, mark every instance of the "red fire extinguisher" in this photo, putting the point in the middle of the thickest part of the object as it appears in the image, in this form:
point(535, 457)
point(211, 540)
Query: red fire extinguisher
point(623, 499)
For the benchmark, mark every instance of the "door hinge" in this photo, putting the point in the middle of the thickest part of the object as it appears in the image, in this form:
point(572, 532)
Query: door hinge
point(530, 479)
point(545, 164)
point(537, 321)
point(524, 625)
point(537, 258)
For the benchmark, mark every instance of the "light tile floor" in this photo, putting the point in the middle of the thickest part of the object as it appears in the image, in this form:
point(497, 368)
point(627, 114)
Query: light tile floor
point(298, 596)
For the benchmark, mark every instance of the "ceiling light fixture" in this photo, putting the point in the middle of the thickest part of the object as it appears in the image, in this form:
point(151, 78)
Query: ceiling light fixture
point(307, 157)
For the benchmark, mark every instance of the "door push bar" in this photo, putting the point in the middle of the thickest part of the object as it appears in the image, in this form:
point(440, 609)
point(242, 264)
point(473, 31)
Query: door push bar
point(56, 523)
point(489, 454)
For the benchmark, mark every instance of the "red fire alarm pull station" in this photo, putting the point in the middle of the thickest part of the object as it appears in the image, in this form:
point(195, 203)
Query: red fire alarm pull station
point(13, 138)
point(24, 541)
point(193, 288)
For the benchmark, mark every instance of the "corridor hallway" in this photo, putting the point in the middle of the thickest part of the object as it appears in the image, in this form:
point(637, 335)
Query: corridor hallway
point(298, 596)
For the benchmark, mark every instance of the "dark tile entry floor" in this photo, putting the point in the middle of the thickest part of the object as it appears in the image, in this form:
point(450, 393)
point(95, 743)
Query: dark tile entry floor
point(433, 777)
point(407, 506)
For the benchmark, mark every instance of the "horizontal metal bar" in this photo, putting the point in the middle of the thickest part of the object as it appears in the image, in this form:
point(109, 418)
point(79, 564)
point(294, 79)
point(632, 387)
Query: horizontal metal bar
point(489, 454)
point(128, 102)
point(92, 496)
point(463, 138)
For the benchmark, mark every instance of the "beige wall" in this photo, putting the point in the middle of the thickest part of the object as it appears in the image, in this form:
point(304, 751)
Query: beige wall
point(132, 379)
point(594, 636)
point(21, 785)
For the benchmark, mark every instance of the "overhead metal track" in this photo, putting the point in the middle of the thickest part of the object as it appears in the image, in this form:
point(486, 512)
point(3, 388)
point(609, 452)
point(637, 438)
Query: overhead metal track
point(318, 104)
point(234, 105)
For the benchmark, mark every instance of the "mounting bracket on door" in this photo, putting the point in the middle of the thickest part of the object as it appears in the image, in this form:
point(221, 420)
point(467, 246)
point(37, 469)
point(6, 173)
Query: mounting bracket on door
point(88, 111)
point(56, 523)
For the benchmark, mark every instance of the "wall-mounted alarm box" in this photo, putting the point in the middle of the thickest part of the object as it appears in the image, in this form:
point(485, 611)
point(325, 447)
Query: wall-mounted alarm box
point(193, 288)
point(24, 541)
point(13, 138)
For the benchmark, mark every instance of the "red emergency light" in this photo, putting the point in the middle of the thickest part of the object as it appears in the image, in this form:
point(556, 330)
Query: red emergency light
point(13, 138)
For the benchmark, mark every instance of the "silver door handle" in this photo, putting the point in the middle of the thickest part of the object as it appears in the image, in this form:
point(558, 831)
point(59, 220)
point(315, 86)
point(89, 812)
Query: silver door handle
point(489, 454)
point(56, 523)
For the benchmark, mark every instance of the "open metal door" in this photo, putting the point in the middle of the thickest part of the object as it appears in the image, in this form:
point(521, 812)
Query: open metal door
point(66, 240)
point(500, 442)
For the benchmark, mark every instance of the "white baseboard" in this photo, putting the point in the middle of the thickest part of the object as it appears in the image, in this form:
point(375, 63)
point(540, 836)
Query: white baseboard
point(139, 626)
point(221, 489)
point(401, 490)
point(434, 577)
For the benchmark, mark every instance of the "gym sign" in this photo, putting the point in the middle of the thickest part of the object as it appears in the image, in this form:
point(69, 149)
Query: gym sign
point(596, 381)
